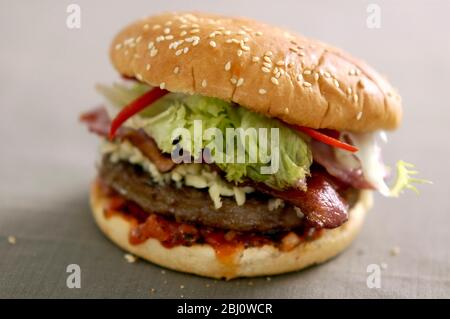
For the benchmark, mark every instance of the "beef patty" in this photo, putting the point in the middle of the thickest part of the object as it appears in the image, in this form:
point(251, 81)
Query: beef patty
point(188, 204)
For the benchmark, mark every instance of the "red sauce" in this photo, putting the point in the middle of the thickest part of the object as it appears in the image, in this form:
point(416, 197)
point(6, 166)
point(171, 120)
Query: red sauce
point(172, 233)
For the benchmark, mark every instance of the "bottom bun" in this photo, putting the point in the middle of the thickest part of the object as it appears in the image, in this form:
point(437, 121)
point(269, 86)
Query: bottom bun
point(201, 259)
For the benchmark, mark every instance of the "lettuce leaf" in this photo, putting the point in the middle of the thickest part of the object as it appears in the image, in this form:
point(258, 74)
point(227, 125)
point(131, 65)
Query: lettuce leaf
point(179, 111)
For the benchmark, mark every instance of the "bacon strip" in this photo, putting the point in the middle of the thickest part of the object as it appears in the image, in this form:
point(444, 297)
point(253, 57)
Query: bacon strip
point(325, 156)
point(321, 204)
point(99, 122)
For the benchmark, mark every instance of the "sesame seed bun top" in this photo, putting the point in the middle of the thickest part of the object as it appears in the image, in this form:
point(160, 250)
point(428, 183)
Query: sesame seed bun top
point(263, 68)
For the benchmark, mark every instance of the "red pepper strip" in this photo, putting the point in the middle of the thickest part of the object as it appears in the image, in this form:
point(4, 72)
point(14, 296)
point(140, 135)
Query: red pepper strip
point(134, 107)
point(326, 139)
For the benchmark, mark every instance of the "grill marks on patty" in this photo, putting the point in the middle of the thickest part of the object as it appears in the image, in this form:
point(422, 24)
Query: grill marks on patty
point(192, 205)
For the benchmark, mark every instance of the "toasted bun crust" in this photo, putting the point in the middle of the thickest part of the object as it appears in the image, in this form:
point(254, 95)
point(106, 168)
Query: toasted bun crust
point(256, 261)
point(263, 68)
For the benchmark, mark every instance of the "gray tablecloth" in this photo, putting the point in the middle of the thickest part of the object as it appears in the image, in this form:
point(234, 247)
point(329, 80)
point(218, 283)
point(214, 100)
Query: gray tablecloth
point(47, 159)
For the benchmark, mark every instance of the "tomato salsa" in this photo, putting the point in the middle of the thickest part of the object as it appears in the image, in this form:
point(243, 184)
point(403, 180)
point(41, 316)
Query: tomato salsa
point(171, 233)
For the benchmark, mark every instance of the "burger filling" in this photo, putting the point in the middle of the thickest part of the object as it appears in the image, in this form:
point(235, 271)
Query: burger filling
point(169, 163)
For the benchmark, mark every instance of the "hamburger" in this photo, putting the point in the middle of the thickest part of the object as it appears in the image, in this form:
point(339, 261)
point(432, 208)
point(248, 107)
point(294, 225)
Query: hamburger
point(232, 148)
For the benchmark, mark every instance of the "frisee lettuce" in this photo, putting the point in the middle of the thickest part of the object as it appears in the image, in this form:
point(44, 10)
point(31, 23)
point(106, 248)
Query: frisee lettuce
point(404, 180)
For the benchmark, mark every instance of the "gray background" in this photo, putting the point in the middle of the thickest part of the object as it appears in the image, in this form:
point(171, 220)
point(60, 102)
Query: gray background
point(47, 75)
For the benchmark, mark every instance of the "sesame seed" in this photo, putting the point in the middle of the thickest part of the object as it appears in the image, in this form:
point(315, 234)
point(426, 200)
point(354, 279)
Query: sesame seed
point(355, 98)
point(241, 32)
point(239, 52)
point(229, 41)
point(336, 83)
point(178, 52)
point(255, 59)
point(316, 76)
point(265, 70)
point(185, 50)
point(293, 50)
point(162, 85)
point(156, 26)
point(228, 66)
point(118, 46)
point(153, 52)
point(299, 77)
point(146, 26)
point(280, 63)
point(307, 72)
point(327, 74)
point(233, 80)
point(258, 33)
point(267, 59)
point(359, 115)
point(349, 90)
point(212, 43)
point(150, 45)
point(128, 41)
point(139, 77)
point(176, 70)
point(195, 31)
point(227, 32)
point(307, 84)
point(262, 91)
point(245, 47)
point(169, 37)
point(301, 53)
point(274, 80)
point(278, 75)
point(183, 26)
point(138, 39)
point(168, 23)
point(267, 65)
point(204, 83)
point(147, 67)
point(183, 33)
point(240, 82)
point(166, 30)
point(286, 110)
point(268, 53)
point(160, 38)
